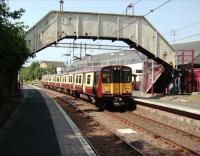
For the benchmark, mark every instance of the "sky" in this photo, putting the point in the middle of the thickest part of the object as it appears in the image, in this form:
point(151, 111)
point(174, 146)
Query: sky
point(180, 15)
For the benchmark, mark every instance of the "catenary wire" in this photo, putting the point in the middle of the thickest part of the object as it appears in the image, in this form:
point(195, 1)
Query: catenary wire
point(151, 11)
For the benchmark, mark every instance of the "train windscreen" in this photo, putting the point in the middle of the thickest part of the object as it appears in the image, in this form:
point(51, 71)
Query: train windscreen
point(126, 75)
point(106, 75)
point(116, 75)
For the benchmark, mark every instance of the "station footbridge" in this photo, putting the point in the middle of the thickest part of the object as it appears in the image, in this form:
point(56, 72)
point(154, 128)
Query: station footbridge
point(136, 31)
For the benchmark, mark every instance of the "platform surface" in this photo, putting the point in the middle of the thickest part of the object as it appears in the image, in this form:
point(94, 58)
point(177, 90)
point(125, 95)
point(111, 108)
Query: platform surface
point(42, 129)
point(186, 103)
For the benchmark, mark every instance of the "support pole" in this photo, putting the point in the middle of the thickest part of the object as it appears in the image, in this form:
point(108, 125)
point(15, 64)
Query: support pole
point(152, 78)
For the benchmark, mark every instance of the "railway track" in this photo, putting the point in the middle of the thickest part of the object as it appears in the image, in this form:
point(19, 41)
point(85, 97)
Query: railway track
point(190, 145)
point(108, 143)
point(180, 138)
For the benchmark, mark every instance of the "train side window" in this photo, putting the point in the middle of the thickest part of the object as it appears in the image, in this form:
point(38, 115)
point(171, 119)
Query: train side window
point(80, 79)
point(88, 79)
point(76, 78)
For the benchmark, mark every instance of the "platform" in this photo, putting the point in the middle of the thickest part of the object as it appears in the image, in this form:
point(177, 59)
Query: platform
point(184, 103)
point(43, 128)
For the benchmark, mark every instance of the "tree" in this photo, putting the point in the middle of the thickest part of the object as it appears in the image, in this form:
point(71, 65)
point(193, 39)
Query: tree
point(51, 69)
point(39, 72)
point(34, 72)
point(13, 50)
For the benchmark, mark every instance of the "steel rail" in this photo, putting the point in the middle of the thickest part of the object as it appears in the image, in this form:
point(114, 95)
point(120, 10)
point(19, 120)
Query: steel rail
point(174, 128)
point(151, 132)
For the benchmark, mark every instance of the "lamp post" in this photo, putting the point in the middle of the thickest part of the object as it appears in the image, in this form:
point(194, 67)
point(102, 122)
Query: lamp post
point(61, 4)
point(131, 5)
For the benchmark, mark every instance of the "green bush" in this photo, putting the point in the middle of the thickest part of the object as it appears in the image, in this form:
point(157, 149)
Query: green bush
point(13, 50)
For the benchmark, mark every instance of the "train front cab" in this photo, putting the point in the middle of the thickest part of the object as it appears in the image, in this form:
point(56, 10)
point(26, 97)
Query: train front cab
point(116, 85)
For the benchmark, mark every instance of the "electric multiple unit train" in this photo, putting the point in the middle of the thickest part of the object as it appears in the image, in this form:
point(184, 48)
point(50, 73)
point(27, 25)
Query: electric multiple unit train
point(108, 85)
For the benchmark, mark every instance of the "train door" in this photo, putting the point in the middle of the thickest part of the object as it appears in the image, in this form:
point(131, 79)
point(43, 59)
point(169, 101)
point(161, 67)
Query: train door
point(84, 80)
point(95, 85)
point(73, 82)
point(106, 81)
point(116, 75)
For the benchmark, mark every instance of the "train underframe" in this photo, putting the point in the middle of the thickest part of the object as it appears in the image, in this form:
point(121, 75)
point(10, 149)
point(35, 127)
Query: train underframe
point(117, 101)
point(114, 102)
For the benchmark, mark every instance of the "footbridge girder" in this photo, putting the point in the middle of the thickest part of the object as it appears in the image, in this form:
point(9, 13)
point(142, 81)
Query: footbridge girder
point(134, 30)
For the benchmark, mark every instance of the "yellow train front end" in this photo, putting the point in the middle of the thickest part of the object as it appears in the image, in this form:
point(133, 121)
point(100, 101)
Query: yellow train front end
point(117, 85)
point(114, 89)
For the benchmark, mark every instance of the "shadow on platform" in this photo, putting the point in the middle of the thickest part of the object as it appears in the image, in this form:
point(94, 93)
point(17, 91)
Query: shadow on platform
point(32, 132)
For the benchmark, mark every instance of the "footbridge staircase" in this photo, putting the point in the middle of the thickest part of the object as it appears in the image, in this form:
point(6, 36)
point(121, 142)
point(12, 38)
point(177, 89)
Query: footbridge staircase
point(159, 80)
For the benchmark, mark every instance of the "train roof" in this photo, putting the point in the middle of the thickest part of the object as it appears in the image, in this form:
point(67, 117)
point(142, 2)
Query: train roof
point(115, 65)
point(92, 69)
